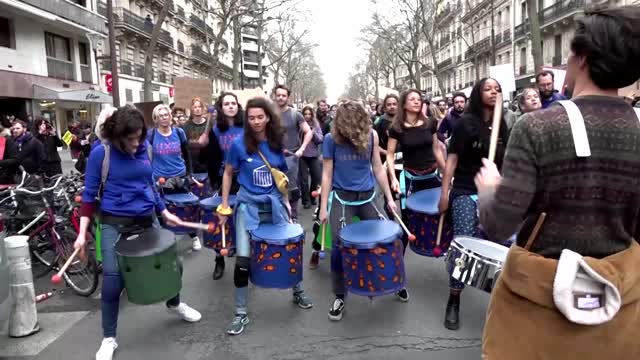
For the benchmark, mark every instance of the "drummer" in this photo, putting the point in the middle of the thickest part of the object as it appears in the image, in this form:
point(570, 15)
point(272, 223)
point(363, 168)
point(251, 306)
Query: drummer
point(258, 200)
point(421, 155)
point(229, 126)
point(171, 158)
point(468, 145)
point(351, 160)
point(590, 194)
point(127, 197)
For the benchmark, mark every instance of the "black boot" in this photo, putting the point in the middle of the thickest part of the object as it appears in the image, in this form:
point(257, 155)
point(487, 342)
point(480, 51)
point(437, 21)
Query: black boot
point(218, 271)
point(451, 317)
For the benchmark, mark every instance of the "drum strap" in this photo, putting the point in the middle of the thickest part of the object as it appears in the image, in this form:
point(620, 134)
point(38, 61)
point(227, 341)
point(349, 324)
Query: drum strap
point(403, 184)
point(345, 203)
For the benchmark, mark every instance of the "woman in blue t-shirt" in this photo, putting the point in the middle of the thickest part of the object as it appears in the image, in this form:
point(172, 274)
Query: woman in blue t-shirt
point(258, 199)
point(128, 197)
point(351, 160)
point(229, 126)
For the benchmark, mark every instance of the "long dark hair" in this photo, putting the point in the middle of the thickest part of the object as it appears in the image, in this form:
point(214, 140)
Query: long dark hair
point(401, 115)
point(475, 108)
point(314, 119)
point(273, 129)
point(124, 122)
point(221, 122)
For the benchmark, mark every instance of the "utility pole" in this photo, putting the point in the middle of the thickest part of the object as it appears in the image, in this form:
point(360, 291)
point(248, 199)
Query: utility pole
point(112, 54)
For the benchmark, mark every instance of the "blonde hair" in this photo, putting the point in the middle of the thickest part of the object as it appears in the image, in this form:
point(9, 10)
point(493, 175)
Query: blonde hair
point(155, 115)
point(352, 125)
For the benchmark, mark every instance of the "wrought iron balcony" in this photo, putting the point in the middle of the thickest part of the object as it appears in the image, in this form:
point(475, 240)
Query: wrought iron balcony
point(199, 55)
point(199, 25)
point(445, 63)
point(551, 14)
point(128, 21)
point(180, 14)
point(72, 12)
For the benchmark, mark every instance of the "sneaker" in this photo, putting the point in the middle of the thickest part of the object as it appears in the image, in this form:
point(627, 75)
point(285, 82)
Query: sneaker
point(186, 312)
point(237, 324)
point(315, 258)
point(403, 295)
point(196, 244)
point(108, 347)
point(337, 309)
point(302, 300)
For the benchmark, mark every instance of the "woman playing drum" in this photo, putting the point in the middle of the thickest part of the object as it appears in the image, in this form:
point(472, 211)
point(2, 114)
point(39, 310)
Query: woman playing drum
point(128, 196)
point(350, 161)
point(229, 126)
point(258, 200)
point(416, 134)
point(469, 144)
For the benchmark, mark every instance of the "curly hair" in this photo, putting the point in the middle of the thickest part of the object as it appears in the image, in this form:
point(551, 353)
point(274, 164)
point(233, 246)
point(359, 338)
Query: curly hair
point(126, 120)
point(352, 125)
point(274, 130)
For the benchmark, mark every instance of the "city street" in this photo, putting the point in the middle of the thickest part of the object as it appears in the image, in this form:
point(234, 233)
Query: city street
point(382, 329)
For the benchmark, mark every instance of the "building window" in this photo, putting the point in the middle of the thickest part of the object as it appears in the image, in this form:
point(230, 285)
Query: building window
point(128, 93)
point(82, 3)
point(6, 33)
point(180, 47)
point(507, 16)
point(523, 61)
point(57, 47)
point(523, 12)
point(83, 51)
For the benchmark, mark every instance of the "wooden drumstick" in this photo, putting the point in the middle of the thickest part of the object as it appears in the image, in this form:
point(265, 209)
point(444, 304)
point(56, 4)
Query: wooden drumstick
point(57, 278)
point(198, 183)
point(404, 227)
point(224, 251)
point(198, 226)
point(440, 226)
point(323, 232)
point(495, 127)
point(534, 232)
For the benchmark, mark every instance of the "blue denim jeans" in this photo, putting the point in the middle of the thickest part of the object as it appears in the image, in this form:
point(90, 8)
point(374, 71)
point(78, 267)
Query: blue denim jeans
point(243, 249)
point(112, 283)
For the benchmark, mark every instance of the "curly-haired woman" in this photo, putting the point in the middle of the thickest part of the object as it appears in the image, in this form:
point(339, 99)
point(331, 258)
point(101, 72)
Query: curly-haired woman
point(351, 160)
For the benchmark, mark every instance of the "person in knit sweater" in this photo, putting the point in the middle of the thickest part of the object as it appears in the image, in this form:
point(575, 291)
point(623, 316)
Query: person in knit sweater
point(592, 203)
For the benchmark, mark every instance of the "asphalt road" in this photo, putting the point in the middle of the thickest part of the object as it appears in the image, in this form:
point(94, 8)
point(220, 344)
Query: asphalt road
point(381, 329)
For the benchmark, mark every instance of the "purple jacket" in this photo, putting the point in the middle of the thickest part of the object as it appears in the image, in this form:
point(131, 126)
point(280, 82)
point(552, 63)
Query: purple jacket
point(313, 149)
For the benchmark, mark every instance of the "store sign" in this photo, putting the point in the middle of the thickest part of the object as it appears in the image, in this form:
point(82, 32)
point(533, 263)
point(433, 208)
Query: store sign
point(108, 79)
point(172, 92)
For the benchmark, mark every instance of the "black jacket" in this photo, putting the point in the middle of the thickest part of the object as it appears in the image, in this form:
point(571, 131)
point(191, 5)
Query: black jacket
point(51, 143)
point(9, 162)
point(31, 155)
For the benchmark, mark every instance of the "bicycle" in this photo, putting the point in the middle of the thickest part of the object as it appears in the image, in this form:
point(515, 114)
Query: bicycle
point(50, 240)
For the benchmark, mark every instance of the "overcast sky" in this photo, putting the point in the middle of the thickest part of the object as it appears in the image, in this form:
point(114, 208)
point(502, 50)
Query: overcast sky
point(336, 28)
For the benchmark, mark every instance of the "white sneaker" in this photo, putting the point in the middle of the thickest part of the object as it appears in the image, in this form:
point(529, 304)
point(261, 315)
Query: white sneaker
point(196, 244)
point(186, 312)
point(108, 347)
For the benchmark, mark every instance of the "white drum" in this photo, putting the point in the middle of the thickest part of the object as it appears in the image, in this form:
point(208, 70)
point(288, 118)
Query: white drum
point(475, 262)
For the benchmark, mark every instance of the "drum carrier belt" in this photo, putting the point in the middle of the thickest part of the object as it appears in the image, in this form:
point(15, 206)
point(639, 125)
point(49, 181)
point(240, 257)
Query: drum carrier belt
point(345, 203)
point(403, 185)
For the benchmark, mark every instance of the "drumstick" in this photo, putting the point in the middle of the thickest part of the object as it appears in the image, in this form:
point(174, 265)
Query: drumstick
point(535, 231)
point(404, 227)
point(440, 225)
point(316, 193)
point(57, 278)
point(495, 127)
point(224, 251)
point(198, 226)
point(324, 228)
point(198, 183)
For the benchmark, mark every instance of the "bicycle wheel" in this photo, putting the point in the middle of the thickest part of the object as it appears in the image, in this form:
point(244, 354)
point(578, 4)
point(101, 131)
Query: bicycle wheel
point(82, 275)
point(43, 251)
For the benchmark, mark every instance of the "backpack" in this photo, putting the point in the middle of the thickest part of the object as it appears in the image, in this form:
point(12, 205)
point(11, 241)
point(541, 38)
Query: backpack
point(104, 172)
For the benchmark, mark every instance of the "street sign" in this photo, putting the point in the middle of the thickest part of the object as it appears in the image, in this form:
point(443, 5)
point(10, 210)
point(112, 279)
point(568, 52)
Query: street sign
point(172, 91)
point(67, 137)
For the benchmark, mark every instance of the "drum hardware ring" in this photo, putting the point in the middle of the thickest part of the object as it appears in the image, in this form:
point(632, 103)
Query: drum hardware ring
point(460, 263)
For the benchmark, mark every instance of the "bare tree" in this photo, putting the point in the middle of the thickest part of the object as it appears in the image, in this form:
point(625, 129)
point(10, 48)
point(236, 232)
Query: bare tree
point(282, 39)
point(536, 43)
point(150, 53)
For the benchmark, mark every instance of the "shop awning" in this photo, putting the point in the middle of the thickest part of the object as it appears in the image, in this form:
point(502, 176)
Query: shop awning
point(84, 95)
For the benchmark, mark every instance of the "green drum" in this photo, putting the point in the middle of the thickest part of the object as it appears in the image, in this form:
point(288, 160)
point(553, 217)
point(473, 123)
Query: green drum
point(148, 262)
point(327, 234)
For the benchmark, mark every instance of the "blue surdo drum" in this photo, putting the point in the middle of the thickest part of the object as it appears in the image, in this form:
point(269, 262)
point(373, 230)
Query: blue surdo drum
point(185, 206)
point(276, 260)
point(423, 219)
point(372, 259)
point(204, 191)
point(208, 214)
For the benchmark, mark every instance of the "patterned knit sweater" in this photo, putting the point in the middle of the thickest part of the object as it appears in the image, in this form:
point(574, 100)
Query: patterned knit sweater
point(592, 204)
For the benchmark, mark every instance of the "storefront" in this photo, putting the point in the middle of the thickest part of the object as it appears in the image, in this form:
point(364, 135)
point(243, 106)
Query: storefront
point(64, 107)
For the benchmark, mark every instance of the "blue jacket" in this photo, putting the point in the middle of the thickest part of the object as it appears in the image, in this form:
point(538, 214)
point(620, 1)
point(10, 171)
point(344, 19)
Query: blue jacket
point(448, 124)
point(555, 97)
point(279, 215)
point(129, 189)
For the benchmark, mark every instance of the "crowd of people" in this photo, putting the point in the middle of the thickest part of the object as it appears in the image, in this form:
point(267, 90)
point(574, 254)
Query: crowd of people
point(590, 203)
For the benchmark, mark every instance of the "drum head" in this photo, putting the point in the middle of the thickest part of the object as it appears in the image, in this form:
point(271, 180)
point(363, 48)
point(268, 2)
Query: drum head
point(149, 242)
point(425, 201)
point(367, 234)
point(211, 203)
point(201, 177)
point(183, 198)
point(484, 248)
point(277, 235)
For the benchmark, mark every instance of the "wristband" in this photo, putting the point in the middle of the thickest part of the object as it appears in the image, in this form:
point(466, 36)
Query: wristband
point(224, 211)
